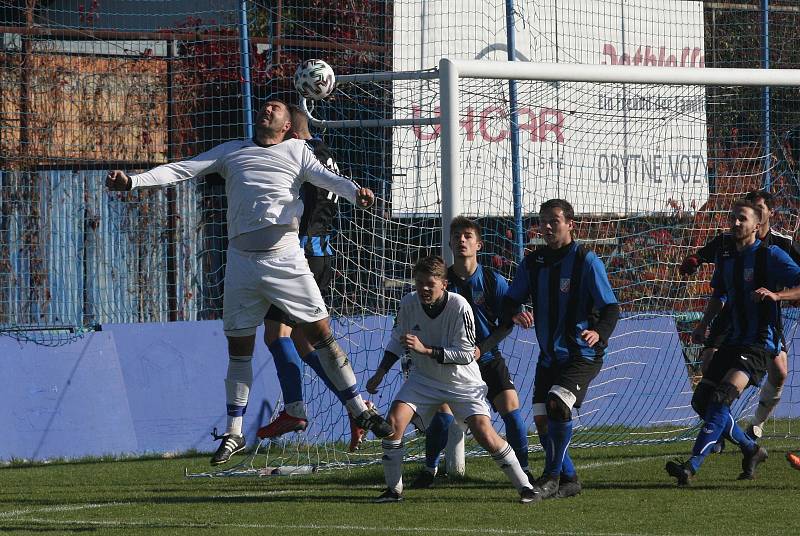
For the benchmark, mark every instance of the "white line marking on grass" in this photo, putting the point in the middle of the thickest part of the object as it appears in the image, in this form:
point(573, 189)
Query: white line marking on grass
point(59, 508)
point(626, 461)
point(349, 528)
point(260, 493)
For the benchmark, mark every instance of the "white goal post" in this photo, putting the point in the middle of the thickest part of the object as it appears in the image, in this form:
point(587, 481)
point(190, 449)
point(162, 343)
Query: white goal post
point(436, 142)
point(450, 72)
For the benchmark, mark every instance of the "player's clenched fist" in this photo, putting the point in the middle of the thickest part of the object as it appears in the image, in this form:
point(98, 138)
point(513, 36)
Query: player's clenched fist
point(365, 198)
point(118, 181)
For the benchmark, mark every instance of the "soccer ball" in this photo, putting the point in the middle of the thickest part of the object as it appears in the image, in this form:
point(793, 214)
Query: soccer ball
point(314, 79)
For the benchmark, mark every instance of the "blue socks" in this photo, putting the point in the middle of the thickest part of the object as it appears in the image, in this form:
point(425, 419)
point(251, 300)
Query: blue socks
point(516, 434)
point(559, 434)
point(436, 438)
point(567, 465)
point(312, 360)
point(289, 368)
point(718, 422)
point(736, 435)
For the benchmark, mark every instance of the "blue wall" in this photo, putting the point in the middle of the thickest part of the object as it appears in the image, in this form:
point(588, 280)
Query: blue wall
point(156, 388)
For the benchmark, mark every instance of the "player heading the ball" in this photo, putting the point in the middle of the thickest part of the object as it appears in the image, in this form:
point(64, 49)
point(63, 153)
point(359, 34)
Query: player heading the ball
point(265, 264)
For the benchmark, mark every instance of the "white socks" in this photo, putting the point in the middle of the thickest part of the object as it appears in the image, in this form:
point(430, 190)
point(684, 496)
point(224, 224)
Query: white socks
point(392, 460)
point(767, 400)
point(237, 391)
point(507, 461)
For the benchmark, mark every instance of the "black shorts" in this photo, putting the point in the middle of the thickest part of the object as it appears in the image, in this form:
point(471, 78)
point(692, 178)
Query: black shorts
point(495, 373)
point(574, 375)
point(322, 268)
point(751, 360)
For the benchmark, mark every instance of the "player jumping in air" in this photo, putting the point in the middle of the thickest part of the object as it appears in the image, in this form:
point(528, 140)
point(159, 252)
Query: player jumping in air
point(289, 347)
point(437, 329)
point(747, 278)
point(575, 312)
point(484, 289)
point(265, 264)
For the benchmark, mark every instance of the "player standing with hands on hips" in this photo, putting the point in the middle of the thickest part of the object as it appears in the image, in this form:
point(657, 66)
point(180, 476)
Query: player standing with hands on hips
point(265, 264)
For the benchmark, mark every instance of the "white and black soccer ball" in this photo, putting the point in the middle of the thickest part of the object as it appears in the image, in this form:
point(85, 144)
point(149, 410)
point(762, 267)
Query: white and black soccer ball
point(314, 79)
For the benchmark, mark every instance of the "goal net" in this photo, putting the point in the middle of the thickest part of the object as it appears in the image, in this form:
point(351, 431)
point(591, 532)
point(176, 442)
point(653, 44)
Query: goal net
point(651, 169)
point(636, 162)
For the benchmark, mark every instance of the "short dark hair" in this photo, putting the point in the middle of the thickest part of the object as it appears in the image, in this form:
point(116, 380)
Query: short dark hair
point(464, 223)
point(432, 265)
point(563, 204)
point(747, 203)
point(283, 102)
point(755, 195)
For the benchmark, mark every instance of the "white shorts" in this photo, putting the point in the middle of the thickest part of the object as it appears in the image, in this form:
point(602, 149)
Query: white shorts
point(255, 281)
point(464, 401)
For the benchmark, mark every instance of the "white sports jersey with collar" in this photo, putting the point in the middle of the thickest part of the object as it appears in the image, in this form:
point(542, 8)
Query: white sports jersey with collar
point(453, 330)
point(262, 183)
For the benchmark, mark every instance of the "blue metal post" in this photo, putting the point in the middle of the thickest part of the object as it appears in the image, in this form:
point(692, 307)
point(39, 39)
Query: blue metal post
point(766, 97)
point(519, 233)
point(244, 43)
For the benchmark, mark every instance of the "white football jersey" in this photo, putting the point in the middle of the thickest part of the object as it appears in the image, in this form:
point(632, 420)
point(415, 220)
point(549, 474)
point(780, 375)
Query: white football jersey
point(262, 183)
point(453, 330)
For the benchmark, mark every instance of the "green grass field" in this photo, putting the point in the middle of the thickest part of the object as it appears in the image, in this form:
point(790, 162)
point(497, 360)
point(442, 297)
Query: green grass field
point(626, 492)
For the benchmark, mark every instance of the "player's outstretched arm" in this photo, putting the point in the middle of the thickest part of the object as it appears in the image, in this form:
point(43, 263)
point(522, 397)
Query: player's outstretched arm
point(323, 177)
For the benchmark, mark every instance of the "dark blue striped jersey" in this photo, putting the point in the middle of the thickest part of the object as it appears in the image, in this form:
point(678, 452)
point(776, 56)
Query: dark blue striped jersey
point(736, 275)
point(319, 208)
point(568, 287)
point(708, 254)
point(484, 291)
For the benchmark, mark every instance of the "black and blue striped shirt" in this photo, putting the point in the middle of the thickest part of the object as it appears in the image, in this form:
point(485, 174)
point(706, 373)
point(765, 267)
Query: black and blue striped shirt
point(570, 293)
point(484, 291)
point(736, 275)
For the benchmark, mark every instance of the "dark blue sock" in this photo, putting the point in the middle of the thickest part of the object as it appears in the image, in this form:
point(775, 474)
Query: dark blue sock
point(736, 435)
point(516, 434)
point(436, 438)
point(717, 415)
point(567, 466)
point(289, 367)
point(559, 434)
point(236, 411)
point(544, 439)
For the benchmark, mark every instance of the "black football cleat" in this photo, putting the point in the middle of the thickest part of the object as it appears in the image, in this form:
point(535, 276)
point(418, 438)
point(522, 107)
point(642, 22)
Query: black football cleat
point(389, 496)
point(370, 419)
point(568, 486)
point(750, 462)
point(424, 480)
point(231, 444)
point(681, 471)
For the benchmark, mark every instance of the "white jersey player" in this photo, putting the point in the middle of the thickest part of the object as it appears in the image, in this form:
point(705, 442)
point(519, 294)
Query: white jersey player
point(265, 264)
point(437, 329)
